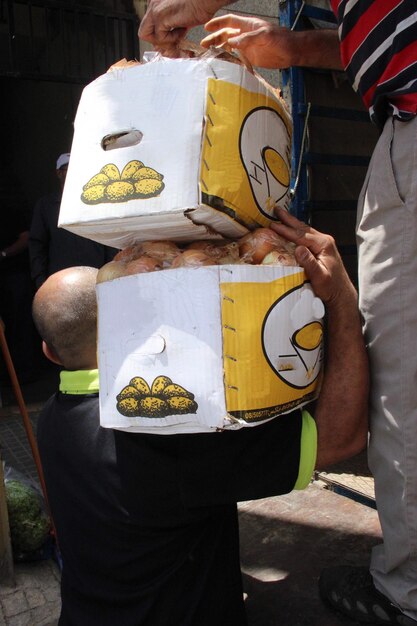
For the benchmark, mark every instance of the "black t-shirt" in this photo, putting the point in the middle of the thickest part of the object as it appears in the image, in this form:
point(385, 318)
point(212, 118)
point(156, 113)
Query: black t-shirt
point(53, 249)
point(147, 524)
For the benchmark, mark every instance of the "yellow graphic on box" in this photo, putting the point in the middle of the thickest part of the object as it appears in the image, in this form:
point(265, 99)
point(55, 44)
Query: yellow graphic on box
point(309, 337)
point(257, 384)
point(246, 151)
point(162, 398)
point(135, 181)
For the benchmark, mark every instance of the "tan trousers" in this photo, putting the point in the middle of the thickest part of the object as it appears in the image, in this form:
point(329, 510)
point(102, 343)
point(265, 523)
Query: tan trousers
point(387, 245)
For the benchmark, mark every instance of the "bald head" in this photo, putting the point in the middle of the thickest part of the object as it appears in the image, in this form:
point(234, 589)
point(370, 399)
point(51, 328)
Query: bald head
point(65, 314)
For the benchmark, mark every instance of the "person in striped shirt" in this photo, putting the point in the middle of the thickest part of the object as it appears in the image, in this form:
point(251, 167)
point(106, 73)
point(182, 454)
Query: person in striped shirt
point(376, 44)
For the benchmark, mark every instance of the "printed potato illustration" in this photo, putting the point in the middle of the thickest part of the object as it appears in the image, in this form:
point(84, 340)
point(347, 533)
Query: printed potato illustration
point(176, 390)
point(148, 187)
point(111, 170)
point(163, 398)
point(118, 191)
point(136, 181)
point(182, 405)
point(159, 385)
point(128, 407)
point(130, 168)
point(94, 194)
point(128, 392)
point(141, 385)
point(98, 179)
point(146, 172)
point(153, 407)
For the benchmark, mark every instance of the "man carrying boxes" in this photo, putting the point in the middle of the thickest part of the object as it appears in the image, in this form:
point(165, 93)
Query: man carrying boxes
point(207, 374)
point(147, 524)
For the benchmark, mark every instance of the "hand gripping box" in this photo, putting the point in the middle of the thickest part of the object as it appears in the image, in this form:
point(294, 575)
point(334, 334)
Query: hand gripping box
point(178, 149)
point(196, 350)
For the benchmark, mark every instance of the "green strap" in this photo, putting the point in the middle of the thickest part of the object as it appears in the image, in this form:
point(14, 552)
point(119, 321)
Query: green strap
point(308, 451)
point(79, 382)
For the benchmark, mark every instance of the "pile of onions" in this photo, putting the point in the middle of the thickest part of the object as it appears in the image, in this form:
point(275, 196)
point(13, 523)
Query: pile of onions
point(263, 245)
point(259, 247)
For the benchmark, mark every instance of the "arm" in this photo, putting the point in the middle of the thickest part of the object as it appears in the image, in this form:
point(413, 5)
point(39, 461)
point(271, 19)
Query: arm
point(267, 45)
point(341, 412)
point(166, 21)
point(19, 245)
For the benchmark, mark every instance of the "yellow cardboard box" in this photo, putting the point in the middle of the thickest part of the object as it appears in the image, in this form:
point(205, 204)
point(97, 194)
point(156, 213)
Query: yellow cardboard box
point(178, 149)
point(218, 347)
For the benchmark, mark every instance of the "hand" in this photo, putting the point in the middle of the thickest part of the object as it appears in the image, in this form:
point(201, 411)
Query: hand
point(166, 22)
point(264, 44)
point(318, 255)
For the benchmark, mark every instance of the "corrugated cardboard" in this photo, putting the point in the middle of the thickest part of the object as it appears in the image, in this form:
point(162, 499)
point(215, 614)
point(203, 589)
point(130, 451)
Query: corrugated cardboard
point(212, 142)
point(236, 345)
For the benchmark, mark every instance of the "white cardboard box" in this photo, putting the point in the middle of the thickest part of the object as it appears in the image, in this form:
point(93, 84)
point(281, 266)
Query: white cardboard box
point(242, 342)
point(212, 142)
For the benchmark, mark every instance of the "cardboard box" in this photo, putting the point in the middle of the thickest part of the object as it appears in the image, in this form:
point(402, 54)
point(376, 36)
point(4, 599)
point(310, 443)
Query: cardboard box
point(178, 149)
point(218, 347)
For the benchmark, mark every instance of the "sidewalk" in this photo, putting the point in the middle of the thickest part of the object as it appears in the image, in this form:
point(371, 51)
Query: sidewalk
point(34, 599)
point(285, 541)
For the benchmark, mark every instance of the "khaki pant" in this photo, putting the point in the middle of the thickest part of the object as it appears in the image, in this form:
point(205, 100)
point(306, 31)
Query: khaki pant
point(387, 244)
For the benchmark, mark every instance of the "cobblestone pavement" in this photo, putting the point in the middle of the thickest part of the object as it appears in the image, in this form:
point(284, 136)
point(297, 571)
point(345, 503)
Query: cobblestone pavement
point(34, 598)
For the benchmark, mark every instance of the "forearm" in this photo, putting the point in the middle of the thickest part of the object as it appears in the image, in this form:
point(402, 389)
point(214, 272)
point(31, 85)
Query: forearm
point(17, 246)
point(265, 44)
point(315, 48)
point(342, 408)
point(341, 412)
